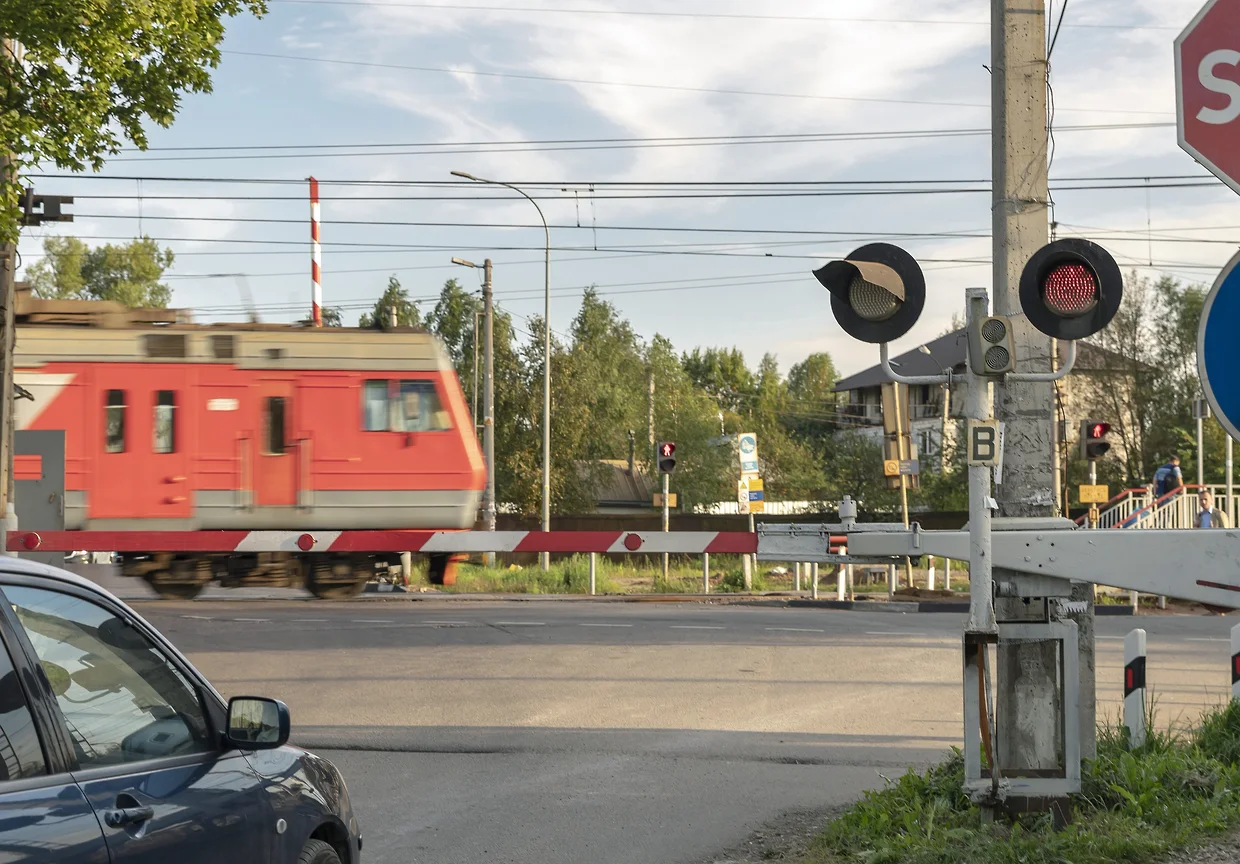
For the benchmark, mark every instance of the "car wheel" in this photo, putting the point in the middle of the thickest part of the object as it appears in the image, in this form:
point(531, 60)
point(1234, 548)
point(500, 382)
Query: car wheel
point(318, 852)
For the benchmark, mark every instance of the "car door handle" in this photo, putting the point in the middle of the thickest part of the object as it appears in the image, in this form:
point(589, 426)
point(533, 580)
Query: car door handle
point(122, 816)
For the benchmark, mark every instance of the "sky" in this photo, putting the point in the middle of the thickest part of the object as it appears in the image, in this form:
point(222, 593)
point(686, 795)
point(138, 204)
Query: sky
point(696, 159)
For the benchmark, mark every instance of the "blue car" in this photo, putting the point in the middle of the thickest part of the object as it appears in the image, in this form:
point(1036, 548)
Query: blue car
point(115, 750)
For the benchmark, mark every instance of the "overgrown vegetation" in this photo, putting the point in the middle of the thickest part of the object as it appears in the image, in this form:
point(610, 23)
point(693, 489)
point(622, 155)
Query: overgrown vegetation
point(1174, 792)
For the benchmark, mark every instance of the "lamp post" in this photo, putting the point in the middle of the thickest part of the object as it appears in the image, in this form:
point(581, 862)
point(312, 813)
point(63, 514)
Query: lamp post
point(546, 472)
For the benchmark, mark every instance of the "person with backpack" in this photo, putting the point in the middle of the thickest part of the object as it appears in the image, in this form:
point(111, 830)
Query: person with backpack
point(1168, 478)
point(1209, 516)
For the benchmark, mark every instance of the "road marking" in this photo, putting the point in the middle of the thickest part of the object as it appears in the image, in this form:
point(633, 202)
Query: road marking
point(448, 623)
point(372, 621)
point(895, 633)
point(1203, 639)
point(604, 625)
point(795, 630)
point(521, 623)
point(695, 627)
point(309, 620)
point(199, 617)
point(254, 620)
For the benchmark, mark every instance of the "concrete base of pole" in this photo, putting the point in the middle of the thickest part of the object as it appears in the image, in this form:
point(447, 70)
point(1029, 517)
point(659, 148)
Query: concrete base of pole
point(747, 570)
point(406, 567)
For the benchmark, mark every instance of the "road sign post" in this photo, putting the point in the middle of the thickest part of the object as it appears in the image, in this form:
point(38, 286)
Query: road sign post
point(1207, 96)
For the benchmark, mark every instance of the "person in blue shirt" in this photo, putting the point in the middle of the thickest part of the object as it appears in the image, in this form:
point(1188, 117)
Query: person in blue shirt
point(1168, 478)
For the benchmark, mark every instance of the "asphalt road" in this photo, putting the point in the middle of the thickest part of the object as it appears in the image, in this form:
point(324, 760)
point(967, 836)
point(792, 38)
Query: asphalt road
point(647, 733)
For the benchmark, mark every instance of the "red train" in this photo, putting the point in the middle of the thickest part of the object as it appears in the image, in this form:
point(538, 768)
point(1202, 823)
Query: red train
point(175, 426)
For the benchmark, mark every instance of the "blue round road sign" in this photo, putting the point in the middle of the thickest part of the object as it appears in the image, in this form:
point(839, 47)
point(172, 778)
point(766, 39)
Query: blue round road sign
point(1218, 348)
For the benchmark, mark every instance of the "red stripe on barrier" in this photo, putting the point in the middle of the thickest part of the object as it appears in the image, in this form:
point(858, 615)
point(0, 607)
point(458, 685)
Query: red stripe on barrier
point(380, 541)
point(128, 541)
point(568, 541)
point(733, 543)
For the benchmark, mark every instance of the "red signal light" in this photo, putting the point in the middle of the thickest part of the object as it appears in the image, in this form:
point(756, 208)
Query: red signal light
point(669, 449)
point(1071, 289)
point(1099, 430)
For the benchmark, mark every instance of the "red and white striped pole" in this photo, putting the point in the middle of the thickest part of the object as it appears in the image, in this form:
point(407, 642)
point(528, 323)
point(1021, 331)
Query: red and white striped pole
point(316, 257)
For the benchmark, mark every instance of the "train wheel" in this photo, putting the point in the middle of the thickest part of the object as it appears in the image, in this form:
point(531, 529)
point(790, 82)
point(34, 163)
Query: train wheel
point(333, 579)
point(184, 579)
point(441, 569)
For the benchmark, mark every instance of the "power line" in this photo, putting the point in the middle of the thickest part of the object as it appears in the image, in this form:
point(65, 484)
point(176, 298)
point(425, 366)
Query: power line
point(693, 140)
point(645, 86)
point(385, 4)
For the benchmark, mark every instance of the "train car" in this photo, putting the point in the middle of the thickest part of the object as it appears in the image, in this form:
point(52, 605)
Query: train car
point(178, 426)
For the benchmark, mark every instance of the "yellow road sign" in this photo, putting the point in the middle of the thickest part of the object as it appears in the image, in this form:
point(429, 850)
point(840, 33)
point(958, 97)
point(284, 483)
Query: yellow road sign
point(671, 499)
point(891, 467)
point(1094, 494)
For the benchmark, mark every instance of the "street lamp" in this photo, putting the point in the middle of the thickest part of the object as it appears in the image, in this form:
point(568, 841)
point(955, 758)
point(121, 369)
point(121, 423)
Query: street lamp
point(546, 478)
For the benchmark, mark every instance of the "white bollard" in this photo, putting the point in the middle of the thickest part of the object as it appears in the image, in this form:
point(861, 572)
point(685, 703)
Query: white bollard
point(705, 572)
point(1134, 684)
point(747, 571)
point(891, 581)
point(813, 584)
point(1235, 662)
point(593, 573)
point(930, 575)
point(796, 583)
point(10, 524)
point(844, 577)
point(947, 574)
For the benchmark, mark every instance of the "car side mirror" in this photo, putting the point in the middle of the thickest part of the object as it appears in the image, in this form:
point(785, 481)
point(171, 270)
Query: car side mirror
point(257, 723)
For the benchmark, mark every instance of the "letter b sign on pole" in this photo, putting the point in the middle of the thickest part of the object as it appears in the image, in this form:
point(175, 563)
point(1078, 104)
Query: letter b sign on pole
point(983, 442)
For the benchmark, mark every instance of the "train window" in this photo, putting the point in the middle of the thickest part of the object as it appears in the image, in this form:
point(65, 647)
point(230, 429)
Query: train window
point(420, 408)
point(375, 406)
point(114, 422)
point(165, 421)
point(273, 438)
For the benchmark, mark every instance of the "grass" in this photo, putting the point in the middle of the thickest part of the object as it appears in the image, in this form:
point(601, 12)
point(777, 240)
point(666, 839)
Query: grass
point(1174, 792)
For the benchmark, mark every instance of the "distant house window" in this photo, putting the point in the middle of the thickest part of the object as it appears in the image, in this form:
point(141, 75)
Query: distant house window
point(114, 422)
point(165, 421)
point(403, 406)
point(273, 438)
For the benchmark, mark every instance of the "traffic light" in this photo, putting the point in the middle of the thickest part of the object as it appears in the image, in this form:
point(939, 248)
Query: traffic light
point(877, 292)
point(990, 346)
point(1093, 439)
point(667, 457)
point(1071, 289)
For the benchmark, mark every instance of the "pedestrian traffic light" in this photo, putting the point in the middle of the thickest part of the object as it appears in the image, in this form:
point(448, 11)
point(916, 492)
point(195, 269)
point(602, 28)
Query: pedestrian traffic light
point(1071, 289)
point(1093, 439)
point(877, 292)
point(990, 346)
point(667, 457)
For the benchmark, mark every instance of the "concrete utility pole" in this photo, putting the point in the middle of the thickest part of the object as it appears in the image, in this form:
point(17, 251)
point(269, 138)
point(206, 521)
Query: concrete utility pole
point(1021, 227)
point(8, 296)
point(488, 399)
point(654, 457)
point(489, 501)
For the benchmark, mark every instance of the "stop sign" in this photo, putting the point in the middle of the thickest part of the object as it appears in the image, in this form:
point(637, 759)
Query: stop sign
point(1207, 77)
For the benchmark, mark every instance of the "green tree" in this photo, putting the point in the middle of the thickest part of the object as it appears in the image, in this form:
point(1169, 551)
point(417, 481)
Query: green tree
point(128, 274)
point(453, 320)
point(88, 75)
point(723, 375)
point(407, 314)
point(332, 317)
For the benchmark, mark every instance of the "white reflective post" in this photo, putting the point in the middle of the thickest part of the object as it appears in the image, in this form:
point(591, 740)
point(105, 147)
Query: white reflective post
point(813, 585)
point(705, 572)
point(1134, 686)
point(593, 573)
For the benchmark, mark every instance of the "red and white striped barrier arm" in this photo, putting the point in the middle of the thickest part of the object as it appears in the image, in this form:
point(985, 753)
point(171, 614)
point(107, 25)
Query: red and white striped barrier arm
point(222, 542)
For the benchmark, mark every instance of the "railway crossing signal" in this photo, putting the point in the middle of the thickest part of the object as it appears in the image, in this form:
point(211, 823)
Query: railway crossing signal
point(877, 292)
point(1070, 289)
point(990, 346)
point(667, 457)
point(1093, 439)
